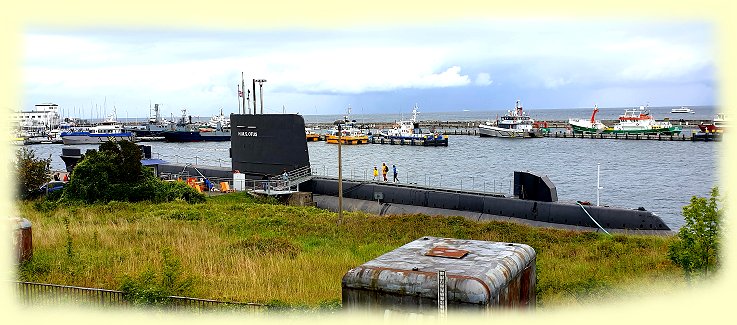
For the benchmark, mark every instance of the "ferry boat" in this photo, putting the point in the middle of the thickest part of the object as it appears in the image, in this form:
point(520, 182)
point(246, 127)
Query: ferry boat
point(515, 124)
point(639, 121)
point(311, 135)
point(717, 125)
point(587, 126)
point(410, 130)
point(349, 133)
point(683, 109)
point(109, 130)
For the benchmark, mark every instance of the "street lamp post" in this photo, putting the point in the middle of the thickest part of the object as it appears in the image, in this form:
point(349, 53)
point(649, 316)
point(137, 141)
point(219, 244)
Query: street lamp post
point(261, 94)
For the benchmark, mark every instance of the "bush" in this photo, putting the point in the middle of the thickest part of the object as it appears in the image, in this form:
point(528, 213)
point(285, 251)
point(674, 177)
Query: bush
point(115, 173)
point(31, 172)
point(697, 247)
point(153, 288)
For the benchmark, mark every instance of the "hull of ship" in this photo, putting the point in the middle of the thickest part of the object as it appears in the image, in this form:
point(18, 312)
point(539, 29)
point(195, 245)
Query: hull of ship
point(347, 140)
point(312, 137)
point(184, 136)
point(491, 131)
point(665, 131)
point(95, 139)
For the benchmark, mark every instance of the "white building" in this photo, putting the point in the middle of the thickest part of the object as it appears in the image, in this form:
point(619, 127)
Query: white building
point(44, 117)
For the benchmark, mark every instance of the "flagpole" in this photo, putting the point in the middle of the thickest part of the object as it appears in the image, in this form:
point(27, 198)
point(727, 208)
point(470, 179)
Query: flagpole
point(239, 98)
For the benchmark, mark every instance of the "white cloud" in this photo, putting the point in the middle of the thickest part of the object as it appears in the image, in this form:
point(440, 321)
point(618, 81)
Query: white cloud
point(483, 79)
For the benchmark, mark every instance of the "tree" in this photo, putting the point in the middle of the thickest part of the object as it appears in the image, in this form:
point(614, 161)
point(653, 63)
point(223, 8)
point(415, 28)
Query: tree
point(32, 172)
point(115, 173)
point(697, 246)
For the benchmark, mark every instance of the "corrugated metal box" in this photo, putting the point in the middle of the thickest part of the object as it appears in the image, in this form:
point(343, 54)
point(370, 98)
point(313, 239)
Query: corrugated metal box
point(480, 275)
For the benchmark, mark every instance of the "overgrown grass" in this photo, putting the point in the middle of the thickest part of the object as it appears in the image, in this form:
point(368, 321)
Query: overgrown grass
point(234, 247)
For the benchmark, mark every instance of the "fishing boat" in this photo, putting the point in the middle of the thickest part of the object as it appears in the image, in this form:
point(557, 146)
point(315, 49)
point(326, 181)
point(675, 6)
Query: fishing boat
point(515, 124)
point(347, 132)
point(682, 109)
point(716, 126)
point(109, 130)
point(410, 130)
point(639, 121)
point(587, 125)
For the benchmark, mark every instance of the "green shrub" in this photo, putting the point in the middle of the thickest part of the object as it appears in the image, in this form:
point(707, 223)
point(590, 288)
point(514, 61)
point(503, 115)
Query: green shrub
point(31, 172)
point(153, 288)
point(115, 173)
point(697, 247)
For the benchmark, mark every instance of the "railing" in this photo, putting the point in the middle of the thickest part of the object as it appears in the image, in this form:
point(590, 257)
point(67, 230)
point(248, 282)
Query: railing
point(31, 293)
point(495, 186)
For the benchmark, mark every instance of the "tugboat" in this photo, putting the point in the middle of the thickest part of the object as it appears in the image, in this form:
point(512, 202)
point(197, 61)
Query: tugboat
point(635, 121)
point(409, 130)
point(349, 133)
point(515, 124)
point(587, 126)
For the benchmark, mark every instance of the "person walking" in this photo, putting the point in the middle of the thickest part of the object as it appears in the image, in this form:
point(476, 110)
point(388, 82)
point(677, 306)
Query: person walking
point(394, 168)
point(384, 170)
point(376, 173)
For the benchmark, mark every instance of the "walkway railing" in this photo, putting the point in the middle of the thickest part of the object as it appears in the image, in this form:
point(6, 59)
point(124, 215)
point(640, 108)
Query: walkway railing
point(31, 293)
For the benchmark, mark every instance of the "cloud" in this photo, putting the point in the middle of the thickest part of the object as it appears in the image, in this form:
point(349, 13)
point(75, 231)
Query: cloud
point(483, 79)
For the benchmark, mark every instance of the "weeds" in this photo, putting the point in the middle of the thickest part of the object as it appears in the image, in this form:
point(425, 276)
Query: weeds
point(242, 249)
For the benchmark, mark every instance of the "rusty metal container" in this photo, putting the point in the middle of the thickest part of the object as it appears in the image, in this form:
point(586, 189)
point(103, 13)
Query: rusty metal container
point(22, 239)
point(480, 275)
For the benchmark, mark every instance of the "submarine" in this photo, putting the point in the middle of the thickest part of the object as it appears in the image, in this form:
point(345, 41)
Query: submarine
point(263, 146)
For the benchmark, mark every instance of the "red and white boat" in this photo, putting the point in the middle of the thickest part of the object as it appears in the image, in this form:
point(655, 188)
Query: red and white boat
point(718, 125)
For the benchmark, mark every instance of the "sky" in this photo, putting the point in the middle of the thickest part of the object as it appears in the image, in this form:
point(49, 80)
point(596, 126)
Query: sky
point(459, 65)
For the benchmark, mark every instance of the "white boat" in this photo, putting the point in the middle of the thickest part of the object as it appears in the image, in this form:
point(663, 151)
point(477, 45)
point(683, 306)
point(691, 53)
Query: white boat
point(219, 121)
point(683, 109)
point(410, 130)
point(635, 121)
point(591, 125)
point(515, 124)
point(110, 130)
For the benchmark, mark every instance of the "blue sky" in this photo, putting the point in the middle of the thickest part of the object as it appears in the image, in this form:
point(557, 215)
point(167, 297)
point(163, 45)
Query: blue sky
point(450, 66)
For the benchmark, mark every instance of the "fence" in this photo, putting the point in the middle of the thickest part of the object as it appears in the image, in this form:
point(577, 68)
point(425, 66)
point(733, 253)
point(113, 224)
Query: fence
point(31, 293)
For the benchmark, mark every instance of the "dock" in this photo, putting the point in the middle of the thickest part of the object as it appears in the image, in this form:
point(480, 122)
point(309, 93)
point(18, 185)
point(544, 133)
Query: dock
point(409, 142)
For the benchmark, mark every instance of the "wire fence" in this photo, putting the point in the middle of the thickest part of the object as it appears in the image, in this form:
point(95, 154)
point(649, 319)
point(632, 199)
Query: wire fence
point(30, 293)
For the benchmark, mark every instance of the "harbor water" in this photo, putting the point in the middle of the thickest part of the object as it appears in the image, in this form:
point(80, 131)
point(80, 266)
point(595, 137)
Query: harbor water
point(660, 176)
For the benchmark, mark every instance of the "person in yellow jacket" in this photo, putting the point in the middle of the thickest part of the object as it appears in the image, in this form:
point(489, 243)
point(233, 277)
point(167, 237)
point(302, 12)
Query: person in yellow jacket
point(376, 173)
point(384, 170)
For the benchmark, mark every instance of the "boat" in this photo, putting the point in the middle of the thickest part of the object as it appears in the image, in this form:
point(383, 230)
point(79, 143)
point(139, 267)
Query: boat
point(219, 121)
point(186, 131)
point(409, 130)
point(683, 109)
point(109, 130)
point(349, 133)
point(639, 121)
point(716, 126)
point(515, 124)
point(587, 125)
point(153, 128)
point(311, 135)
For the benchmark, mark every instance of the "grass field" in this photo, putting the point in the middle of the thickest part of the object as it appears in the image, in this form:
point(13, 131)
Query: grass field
point(237, 248)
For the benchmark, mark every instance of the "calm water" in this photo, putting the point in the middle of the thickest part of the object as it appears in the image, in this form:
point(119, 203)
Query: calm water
point(660, 176)
point(701, 113)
